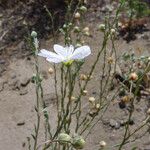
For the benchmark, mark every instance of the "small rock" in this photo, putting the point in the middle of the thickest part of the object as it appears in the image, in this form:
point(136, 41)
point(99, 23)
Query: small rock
point(1, 86)
point(23, 91)
point(2, 61)
point(114, 124)
point(21, 123)
point(49, 99)
point(44, 74)
point(14, 84)
point(13, 75)
point(25, 81)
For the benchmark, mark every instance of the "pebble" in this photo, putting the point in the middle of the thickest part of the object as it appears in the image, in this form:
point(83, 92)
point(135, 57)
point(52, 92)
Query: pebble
point(2, 61)
point(25, 81)
point(21, 123)
point(23, 92)
point(114, 124)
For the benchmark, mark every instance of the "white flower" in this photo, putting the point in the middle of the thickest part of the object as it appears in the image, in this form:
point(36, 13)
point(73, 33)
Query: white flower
point(65, 54)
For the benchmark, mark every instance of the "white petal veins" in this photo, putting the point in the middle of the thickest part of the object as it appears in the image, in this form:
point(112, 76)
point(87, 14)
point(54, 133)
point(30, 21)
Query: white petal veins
point(81, 52)
point(60, 50)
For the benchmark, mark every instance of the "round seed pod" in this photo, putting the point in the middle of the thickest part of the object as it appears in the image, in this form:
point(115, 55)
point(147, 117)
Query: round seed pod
point(64, 138)
point(78, 142)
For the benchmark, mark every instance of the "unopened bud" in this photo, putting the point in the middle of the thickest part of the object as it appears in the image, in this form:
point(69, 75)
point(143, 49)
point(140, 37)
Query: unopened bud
point(76, 29)
point(63, 138)
point(86, 29)
point(78, 142)
point(101, 27)
point(83, 9)
point(33, 34)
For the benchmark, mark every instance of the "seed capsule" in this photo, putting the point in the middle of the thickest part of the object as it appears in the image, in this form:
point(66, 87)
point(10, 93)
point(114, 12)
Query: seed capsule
point(78, 142)
point(63, 138)
point(102, 144)
point(77, 15)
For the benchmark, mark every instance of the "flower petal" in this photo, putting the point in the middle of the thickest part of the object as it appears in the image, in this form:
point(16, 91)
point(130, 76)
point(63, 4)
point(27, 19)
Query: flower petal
point(60, 50)
point(81, 52)
point(54, 60)
point(46, 53)
point(50, 56)
point(69, 50)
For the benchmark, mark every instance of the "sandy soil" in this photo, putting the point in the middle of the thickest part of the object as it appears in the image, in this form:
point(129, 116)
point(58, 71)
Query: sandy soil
point(17, 97)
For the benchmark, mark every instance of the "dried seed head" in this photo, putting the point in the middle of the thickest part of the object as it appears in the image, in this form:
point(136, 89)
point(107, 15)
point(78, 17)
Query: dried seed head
point(78, 142)
point(113, 31)
point(77, 15)
point(102, 144)
point(63, 138)
point(148, 111)
point(133, 76)
point(92, 100)
point(83, 77)
point(73, 98)
point(126, 99)
point(76, 29)
point(86, 29)
point(97, 106)
point(50, 71)
point(78, 45)
point(85, 92)
point(110, 60)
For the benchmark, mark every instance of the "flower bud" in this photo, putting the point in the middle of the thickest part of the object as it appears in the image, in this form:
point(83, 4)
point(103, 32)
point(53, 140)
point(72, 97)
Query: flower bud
point(133, 76)
point(33, 34)
point(78, 45)
point(63, 138)
point(83, 9)
point(87, 34)
point(101, 27)
point(76, 29)
point(110, 60)
point(78, 142)
point(77, 15)
point(50, 71)
point(102, 144)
